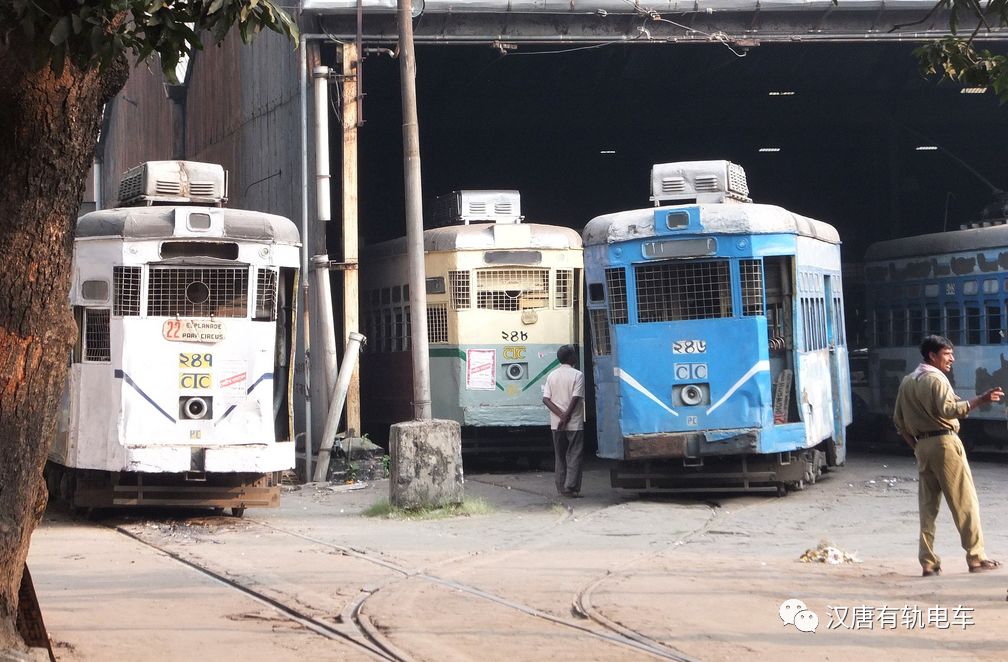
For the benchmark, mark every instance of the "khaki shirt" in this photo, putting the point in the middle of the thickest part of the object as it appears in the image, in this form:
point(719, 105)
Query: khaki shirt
point(927, 405)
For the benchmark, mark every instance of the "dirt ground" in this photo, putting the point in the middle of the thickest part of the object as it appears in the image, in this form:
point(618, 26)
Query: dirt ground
point(611, 576)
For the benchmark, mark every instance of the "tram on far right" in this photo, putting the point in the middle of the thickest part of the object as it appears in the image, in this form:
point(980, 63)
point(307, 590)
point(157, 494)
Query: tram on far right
point(720, 358)
point(953, 284)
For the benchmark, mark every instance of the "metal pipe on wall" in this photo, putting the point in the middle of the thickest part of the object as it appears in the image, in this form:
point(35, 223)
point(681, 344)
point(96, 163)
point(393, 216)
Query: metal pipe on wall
point(414, 216)
point(305, 328)
point(336, 406)
point(323, 207)
point(326, 325)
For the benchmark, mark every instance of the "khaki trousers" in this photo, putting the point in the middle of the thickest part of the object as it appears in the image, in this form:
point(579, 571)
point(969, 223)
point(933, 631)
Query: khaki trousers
point(943, 469)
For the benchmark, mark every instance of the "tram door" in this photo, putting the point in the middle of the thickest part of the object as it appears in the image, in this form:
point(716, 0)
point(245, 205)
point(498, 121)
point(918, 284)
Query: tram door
point(833, 334)
point(778, 273)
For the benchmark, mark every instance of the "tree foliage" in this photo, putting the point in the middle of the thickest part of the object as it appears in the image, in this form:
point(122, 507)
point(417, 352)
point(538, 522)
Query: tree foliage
point(96, 33)
point(958, 58)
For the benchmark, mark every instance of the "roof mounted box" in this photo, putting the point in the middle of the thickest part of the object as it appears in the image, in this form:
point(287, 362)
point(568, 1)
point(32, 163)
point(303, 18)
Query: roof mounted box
point(465, 207)
point(176, 182)
point(698, 181)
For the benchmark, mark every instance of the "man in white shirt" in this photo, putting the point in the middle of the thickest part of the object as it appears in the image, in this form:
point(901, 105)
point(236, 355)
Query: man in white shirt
point(563, 395)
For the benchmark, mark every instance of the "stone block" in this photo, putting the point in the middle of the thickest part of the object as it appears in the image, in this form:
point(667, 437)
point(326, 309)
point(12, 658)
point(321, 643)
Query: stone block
point(425, 470)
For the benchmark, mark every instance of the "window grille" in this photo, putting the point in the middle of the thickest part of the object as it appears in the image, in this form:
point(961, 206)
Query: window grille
point(751, 272)
point(266, 292)
point(97, 340)
point(683, 290)
point(437, 323)
point(126, 282)
point(512, 289)
point(616, 284)
point(459, 282)
point(600, 332)
point(198, 292)
point(564, 278)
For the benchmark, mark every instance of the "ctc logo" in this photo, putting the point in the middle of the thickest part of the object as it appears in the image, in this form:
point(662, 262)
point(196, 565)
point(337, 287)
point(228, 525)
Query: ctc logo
point(195, 380)
point(514, 353)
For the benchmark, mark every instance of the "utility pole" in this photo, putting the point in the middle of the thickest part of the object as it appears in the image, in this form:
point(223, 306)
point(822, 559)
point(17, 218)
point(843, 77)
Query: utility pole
point(414, 215)
point(350, 57)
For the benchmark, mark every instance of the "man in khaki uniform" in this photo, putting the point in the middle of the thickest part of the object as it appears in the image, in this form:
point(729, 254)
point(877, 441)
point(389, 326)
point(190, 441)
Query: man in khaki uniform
point(926, 416)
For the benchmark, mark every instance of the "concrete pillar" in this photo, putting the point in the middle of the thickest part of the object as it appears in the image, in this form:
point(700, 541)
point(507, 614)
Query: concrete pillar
point(426, 464)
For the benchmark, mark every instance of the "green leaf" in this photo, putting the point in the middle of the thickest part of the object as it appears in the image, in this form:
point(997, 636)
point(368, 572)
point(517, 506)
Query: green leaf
point(59, 33)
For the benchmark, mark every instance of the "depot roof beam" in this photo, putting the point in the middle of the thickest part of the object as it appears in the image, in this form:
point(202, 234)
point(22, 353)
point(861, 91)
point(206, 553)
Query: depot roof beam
point(740, 22)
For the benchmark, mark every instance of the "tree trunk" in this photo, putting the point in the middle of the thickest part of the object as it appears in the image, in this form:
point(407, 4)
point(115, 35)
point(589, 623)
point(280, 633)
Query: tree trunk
point(48, 133)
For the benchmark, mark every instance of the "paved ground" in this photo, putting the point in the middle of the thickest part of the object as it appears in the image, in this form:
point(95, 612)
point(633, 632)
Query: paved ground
point(608, 577)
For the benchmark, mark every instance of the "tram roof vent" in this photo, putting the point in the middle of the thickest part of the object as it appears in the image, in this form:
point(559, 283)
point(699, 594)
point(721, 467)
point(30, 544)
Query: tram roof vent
point(698, 181)
point(465, 207)
point(174, 182)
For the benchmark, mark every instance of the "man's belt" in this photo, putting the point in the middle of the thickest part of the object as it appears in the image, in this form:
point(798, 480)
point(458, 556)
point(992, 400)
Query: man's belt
point(933, 433)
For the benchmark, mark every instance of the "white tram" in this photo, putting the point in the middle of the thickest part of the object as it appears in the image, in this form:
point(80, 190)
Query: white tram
point(502, 297)
point(179, 389)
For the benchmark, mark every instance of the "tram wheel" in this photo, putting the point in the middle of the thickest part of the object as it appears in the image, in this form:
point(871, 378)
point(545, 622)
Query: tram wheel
point(238, 512)
point(781, 490)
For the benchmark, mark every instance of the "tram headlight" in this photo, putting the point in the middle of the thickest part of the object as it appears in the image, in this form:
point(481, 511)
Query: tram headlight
point(515, 371)
point(195, 408)
point(691, 395)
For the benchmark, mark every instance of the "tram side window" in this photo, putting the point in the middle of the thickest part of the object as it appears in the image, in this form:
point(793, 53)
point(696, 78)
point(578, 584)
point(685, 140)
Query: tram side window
point(97, 339)
point(880, 327)
point(437, 322)
point(994, 333)
point(616, 284)
point(934, 320)
point(564, 290)
point(953, 324)
point(972, 324)
point(601, 342)
point(838, 318)
point(916, 325)
point(683, 290)
point(899, 334)
point(459, 282)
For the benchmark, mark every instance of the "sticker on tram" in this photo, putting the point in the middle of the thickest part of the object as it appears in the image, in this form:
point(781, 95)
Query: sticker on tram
point(689, 347)
point(195, 360)
point(207, 331)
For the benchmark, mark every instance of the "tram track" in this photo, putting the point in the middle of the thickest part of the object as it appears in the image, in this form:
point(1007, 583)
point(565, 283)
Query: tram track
point(355, 624)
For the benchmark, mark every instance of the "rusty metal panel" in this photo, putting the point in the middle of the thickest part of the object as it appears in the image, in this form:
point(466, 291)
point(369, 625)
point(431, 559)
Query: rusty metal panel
point(656, 446)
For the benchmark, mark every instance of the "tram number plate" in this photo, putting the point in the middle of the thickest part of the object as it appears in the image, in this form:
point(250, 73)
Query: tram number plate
point(193, 331)
point(514, 336)
point(689, 347)
point(195, 360)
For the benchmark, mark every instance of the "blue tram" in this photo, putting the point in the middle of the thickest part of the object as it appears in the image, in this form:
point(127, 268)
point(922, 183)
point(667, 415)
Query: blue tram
point(720, 359)
point(954, 284)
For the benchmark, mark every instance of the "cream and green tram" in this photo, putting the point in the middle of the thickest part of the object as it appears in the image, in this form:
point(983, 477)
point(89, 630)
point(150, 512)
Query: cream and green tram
point(502, 297)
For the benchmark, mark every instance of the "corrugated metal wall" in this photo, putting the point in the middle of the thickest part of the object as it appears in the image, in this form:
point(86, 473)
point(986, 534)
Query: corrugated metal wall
point(242, 111)
point(138, 128)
